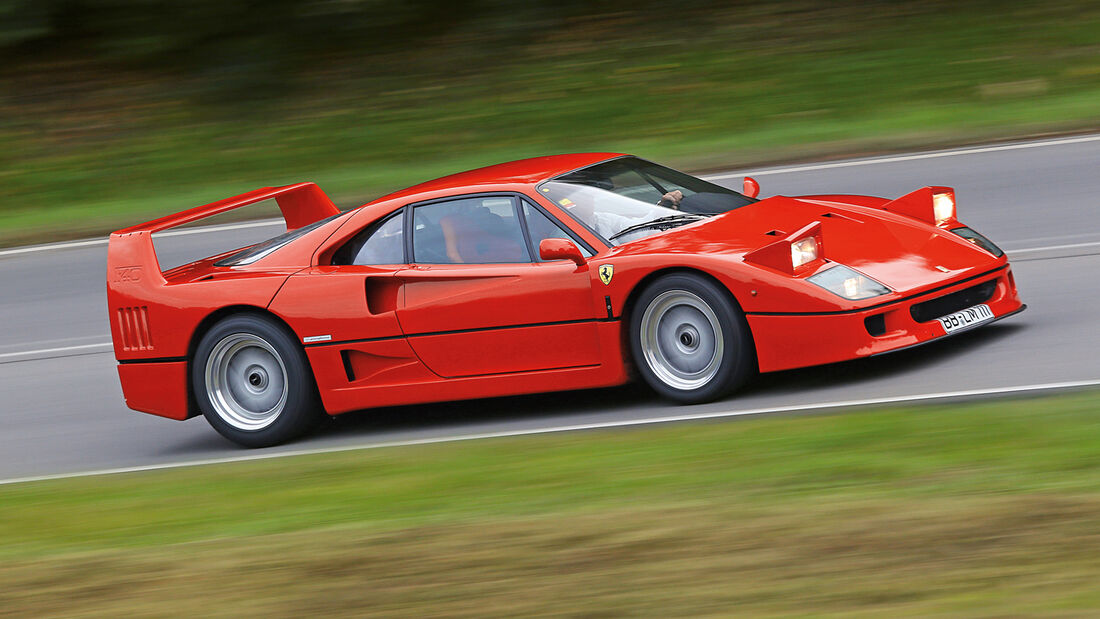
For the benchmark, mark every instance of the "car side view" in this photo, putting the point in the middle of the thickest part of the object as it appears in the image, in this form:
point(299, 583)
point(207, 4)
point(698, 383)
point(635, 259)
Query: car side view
point(553, 273)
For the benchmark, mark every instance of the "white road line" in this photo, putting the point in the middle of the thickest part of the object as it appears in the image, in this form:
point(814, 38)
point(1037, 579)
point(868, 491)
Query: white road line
point(899, 158)
point(221, 228)
point(184, 232)
point(599, 425)
point(1016, 252)
point(66, 245)
point(47, 352)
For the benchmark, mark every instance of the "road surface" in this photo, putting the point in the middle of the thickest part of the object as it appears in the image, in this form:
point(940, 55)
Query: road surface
point(61, 409)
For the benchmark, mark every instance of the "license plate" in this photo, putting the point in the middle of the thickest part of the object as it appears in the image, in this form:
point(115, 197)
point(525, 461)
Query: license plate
point(966, 318)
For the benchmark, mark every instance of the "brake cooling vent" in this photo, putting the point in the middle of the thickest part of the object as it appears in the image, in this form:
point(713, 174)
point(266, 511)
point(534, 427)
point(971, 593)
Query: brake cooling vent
point(950, 303)
point(133, 324)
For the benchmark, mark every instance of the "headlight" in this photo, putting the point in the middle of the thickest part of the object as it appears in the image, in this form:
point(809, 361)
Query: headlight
point(803, 251)
point(979, 240)
point(943, 207)
point(848, 283)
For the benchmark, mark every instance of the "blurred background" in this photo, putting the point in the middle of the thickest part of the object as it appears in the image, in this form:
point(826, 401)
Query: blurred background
point(112, 111)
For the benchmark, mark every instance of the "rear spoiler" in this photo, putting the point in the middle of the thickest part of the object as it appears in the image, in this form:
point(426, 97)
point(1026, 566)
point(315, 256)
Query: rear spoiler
point(301, 204)
point(131, 256)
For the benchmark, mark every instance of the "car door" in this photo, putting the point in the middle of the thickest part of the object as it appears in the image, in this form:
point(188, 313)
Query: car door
point(345, 309)
point(477, 301)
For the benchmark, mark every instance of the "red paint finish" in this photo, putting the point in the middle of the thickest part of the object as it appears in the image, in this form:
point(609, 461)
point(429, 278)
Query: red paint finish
point(156, 388)
point(406, 383)
point(345, 293)
point(411, 333)
point(792, 341)
point(500, 351)
point(468, 320)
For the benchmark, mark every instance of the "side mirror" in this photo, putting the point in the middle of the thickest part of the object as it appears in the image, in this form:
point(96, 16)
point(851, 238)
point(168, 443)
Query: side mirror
point(560, 249)
point(750, 187)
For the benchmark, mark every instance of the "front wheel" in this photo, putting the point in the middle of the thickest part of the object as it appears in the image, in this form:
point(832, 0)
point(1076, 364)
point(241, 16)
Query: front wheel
point(689, 340)
point(253, 383)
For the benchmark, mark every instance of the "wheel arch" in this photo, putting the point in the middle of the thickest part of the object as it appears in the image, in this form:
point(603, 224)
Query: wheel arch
point(208, 323)
point(630, 305)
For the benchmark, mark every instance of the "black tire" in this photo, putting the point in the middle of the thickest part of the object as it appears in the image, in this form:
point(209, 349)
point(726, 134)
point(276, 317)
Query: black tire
point(689, 340)
point(253, 383)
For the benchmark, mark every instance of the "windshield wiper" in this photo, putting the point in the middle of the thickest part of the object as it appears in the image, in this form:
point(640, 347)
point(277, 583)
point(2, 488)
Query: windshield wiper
point(670, 221)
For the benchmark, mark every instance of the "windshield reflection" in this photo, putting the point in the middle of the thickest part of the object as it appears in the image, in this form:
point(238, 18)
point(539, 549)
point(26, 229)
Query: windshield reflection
point(619, 199)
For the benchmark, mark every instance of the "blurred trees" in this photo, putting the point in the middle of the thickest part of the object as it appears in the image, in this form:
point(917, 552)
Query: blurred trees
point(252, 45)
point(190, 33)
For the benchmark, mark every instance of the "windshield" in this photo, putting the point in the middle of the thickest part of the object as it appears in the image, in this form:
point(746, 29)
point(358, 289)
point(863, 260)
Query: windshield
point(626, 199)
point(259, 250)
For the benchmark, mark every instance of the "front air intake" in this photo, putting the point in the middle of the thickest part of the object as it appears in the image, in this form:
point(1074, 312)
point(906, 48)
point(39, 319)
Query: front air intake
point(950, 303)
point(876, 324)
point(133, 325)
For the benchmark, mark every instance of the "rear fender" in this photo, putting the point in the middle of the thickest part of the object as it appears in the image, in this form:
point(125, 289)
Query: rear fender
point(152, 318)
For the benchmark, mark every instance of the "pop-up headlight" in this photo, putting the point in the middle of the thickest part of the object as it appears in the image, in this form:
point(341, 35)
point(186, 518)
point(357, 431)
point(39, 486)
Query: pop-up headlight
point(848, 283)
point(803, 251)
point(935, 205)
point(943, 206)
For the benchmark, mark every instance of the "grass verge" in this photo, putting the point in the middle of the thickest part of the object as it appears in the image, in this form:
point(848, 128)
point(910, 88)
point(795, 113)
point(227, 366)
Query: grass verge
point(85, 149)
point(976, 509)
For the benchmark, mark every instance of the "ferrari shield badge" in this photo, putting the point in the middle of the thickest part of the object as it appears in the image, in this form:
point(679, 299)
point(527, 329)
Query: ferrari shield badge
point(607, 271)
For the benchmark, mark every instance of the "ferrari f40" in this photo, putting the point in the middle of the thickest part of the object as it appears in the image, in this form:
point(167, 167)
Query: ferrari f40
point(553, 273)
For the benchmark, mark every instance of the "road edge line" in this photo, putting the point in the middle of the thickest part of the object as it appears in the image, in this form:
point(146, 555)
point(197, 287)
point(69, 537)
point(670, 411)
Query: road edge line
point(935, 154)
point(603, 425)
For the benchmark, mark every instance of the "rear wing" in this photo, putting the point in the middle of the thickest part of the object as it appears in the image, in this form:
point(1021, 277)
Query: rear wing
point(130, 253)
point(301, 204)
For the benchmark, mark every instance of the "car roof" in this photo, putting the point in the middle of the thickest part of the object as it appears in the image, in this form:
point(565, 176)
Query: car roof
point(523, 171)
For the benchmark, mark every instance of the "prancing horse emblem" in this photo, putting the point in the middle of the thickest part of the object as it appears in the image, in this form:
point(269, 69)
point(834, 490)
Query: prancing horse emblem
point(607, 271)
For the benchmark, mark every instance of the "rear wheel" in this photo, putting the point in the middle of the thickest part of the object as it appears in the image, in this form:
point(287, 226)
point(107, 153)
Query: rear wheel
point(253, 383)
point(689, 340)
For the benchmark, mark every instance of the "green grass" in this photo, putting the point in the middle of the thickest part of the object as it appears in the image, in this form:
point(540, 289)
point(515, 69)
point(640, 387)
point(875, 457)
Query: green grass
point(751, 83)
point(973, 509)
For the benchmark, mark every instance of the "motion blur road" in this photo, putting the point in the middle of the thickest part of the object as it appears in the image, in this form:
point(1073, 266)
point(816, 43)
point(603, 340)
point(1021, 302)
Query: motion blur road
point(61, 409)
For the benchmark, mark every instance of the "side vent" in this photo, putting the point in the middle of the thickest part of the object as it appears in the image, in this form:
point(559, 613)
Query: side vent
point(133, 324)
point(382, 294)
point(345, 356)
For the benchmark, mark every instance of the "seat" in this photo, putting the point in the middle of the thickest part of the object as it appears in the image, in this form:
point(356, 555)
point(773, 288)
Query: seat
point(479, 238)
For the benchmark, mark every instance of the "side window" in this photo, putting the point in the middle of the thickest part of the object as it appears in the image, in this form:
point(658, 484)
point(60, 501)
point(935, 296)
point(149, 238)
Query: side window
point(468, 231)
point(540, 227)
point(382, 242)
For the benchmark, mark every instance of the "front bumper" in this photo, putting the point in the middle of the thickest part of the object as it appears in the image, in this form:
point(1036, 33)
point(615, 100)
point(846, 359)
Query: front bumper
point(786, 341)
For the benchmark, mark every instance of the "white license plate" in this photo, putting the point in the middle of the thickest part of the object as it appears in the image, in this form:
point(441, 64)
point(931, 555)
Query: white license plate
point(966, 318)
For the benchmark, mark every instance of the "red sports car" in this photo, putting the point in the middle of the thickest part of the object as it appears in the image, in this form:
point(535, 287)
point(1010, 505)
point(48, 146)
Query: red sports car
point(551, 273)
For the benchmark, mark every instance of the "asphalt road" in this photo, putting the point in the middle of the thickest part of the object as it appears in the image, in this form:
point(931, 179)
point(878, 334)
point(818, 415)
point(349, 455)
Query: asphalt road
point(61, 409)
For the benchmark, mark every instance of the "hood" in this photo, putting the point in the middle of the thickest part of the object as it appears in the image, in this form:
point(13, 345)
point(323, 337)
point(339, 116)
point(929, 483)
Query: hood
point(898, 251)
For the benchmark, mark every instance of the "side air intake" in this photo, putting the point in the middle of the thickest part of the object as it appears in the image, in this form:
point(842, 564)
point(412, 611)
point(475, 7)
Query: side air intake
point(133, 323)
